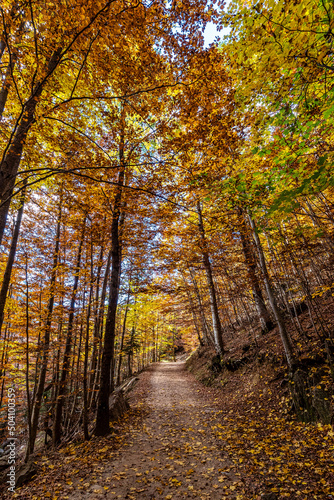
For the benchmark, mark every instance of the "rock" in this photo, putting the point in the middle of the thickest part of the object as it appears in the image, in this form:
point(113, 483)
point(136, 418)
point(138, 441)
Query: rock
point(97, 489)
point(40, 440)
point(234, 364)
point(25, 473)
point(216, 365)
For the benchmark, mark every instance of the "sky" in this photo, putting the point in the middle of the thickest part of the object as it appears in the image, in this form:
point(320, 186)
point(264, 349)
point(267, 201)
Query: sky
point(211, 33)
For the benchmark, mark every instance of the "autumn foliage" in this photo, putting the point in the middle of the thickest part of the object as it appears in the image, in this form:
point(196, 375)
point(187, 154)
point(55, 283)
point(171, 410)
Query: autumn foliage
point(156, 195)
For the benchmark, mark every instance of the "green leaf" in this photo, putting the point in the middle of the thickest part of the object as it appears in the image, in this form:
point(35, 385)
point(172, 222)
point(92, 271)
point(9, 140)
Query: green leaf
point(322, 159)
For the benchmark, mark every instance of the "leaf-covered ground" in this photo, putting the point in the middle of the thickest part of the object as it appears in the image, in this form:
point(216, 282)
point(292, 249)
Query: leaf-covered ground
point(291, 459)
point(184, 440)
point(277, 454)
point(166, 449)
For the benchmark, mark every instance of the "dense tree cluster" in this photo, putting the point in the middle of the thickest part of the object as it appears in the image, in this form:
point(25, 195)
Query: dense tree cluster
point(151, 187)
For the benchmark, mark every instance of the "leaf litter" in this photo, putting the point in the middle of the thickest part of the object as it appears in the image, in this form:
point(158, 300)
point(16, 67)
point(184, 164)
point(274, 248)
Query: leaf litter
point(184, 440)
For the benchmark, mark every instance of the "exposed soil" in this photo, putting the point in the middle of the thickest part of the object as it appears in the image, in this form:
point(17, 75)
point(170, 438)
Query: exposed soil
point(173, 454)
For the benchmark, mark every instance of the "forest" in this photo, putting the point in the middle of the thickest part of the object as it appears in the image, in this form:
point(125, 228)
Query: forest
point(160, 195)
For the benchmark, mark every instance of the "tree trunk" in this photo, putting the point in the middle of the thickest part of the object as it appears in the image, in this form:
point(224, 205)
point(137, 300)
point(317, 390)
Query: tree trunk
point(106, 385)
point(10, 261)
point(250, 262)
point(98, 324)
point(27, 318)
point(85, 377)
point(207, 334)
point(279, 320)
point(130, 351)
point(56, 434)
point(2, 46)
point(120, 359)
point(46, 341)
point(12, 156)
point(6, 84)
point(192, 308)
point(217, 328)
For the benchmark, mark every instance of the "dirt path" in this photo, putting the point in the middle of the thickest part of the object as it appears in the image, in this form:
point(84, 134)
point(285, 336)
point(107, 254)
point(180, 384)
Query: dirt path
point(174, 453)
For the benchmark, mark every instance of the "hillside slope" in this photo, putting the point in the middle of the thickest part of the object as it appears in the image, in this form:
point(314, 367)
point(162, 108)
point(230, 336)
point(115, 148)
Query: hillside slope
point(284, 451)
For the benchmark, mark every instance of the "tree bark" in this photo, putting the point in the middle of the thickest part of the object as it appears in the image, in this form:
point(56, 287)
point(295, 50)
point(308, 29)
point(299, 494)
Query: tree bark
point(85, 378)
point(6, 84)
point(106, 385)
point(120, 358)
point(2, 46)
point(207, 334)
point(130, 351)
point(250, 262)
point(98, 324)
point(46, 341)
point(56, 434)
point(217, 328)
point(192, 308)
point(279, 320)
point(12, 157)
point(10, 261)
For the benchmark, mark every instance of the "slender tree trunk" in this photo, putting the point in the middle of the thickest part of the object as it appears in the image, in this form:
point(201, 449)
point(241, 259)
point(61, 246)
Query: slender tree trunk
point(231, 279)
point(121, 232)
point(98, 324)
point(97, 289)
point(12, 156)
point(217, 328)
point(56, 435)
point(130, 351)
point(317, 223)
point(46, 341)
point(2, 46)
point(282, 269)
point(10, 261)
point(85, 377)
point(250, 262)
point(279, 320)
point(328, 211)
point(107, 365)
point(6, 84)
point(4, 361)
point(207, 334)
point(120, 359)
point(192, 308)
point(27, 345)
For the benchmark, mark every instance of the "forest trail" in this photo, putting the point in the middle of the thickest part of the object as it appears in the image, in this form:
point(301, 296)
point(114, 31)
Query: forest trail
point(174, 453)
